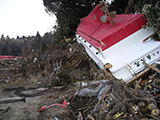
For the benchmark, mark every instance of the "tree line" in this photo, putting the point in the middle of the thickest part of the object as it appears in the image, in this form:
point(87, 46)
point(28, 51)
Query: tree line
point(10, 46)
point(22, 45)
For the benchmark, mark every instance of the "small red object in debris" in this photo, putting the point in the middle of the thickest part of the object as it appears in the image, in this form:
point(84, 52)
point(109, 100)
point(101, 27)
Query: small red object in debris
point(41, 109)
point(61, 105)
point(64, 103)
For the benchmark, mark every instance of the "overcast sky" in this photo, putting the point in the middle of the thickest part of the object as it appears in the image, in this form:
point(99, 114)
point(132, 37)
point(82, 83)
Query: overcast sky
point(24, 17)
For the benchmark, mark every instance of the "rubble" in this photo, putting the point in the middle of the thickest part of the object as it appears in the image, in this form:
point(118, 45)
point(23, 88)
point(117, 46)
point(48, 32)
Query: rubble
point(8, 66)
point(58, 68)
point(119, 101)
point(71, 75)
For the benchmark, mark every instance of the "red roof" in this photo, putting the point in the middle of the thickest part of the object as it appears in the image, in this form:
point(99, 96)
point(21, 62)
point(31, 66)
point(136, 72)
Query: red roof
point(96, 33)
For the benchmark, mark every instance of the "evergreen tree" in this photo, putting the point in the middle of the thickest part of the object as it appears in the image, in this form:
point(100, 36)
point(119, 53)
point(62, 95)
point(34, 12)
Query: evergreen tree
point(17, 37)
point(69, 13)
point(4, 48)
point(37, 41)
point(2, 37)
point(151, 9)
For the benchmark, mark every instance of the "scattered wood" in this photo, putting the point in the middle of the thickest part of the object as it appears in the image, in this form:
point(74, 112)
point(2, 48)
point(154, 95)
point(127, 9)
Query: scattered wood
point(102, 97)
point(139, 75)
point(151, 67)
point(120, 98)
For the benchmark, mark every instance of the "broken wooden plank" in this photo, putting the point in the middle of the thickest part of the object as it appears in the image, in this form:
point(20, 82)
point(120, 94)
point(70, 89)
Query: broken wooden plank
point(151, 67)
point(106, 69)
point(150, 36)
point(139, 75)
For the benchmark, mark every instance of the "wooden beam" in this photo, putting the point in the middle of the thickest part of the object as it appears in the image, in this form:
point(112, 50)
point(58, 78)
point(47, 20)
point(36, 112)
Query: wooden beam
point(151, 67)
point(150, 36)
point(106, 69)
point(140, 74)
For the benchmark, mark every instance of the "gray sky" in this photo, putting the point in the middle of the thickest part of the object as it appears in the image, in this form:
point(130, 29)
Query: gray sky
point(24, 17)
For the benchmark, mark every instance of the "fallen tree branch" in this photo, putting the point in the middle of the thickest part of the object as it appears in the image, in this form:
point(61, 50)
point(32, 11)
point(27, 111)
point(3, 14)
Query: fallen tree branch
point(100, 100)
point(89, 116)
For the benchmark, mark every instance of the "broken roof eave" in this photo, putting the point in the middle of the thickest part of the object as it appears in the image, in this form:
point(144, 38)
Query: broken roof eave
point(103, 35)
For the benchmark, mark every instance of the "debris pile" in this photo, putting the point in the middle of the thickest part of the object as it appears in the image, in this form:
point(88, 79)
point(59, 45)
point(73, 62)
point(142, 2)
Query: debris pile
point(7, 66)
point(56, 66)
point(113, 99)
point(90, 93)
point(6, 63)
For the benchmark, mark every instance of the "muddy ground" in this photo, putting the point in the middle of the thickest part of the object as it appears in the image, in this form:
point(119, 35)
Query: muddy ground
point(23, 100)
point(32, 100)
point(27, 86)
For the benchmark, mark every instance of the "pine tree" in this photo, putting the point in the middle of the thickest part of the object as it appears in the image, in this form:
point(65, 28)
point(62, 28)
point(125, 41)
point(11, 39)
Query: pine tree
point(151, 9)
